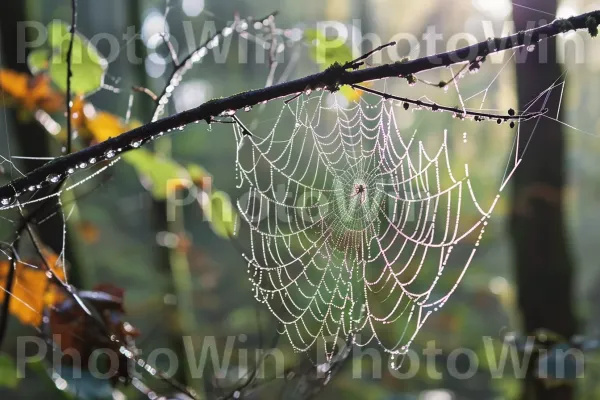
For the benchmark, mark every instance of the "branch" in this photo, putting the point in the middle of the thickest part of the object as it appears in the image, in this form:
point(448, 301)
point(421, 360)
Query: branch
point(330, 79)
point(70, 73)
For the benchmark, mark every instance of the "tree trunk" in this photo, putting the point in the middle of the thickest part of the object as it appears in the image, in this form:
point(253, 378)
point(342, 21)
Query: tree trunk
point(544, 268)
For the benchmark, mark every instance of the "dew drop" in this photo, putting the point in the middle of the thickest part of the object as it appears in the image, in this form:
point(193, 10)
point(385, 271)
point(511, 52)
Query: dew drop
point(5, 201)
point(53, 178)
point(31, 188)
point(82, 165)
point(71, 171)
point(531, 48)
point(109, 153)
point(247, 108)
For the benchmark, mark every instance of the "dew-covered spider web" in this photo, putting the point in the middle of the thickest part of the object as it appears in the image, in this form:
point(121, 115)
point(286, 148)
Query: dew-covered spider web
point(351, 222)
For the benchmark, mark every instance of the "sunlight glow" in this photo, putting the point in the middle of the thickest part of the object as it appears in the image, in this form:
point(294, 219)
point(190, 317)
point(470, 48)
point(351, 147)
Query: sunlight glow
point(192, 8)
point(497, 9)
point(440, 394)
point(566, 10)
point(154, 25)
point(192, 94)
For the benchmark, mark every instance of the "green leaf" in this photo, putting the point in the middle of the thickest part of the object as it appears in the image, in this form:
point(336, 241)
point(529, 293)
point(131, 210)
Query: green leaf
point(197, 173)
point(8, 372)
point(163, 174)
point(221, 214)
point(38, 60)
point(87, 65)
point(325, 51)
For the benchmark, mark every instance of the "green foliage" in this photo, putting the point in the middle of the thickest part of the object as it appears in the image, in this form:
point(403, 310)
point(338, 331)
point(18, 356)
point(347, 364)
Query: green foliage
point(8, 372)
point(163, 174)
point(87, 65)
point(38, 60)
point(325, 51)
point(221, 214)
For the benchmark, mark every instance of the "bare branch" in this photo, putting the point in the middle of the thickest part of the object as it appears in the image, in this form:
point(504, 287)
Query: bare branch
point(70, 73)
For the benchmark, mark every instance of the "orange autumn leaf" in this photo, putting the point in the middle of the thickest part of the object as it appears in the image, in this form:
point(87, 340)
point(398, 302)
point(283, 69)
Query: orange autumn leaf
point(93, 125)
point(105, 125)
point(31, 92)
point(32, 290)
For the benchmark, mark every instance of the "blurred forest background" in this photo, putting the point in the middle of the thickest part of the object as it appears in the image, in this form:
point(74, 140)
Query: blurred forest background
point(531, 272)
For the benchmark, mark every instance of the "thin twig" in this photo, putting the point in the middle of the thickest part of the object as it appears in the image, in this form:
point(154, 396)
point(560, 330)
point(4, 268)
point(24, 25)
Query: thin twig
point(331, 79)
point(458, 112)
point(70, 73)
point(146, 91)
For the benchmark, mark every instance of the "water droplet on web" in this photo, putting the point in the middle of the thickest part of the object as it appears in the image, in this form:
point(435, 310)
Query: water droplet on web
point(247, 108)
point(136, 144)
point(53, 178)
point(531, 48)
point(31, 188)
point(82, 165)
point(71, 170)
point(5, 201)
point(92, 160)
point(109, 153)
point(308, 91)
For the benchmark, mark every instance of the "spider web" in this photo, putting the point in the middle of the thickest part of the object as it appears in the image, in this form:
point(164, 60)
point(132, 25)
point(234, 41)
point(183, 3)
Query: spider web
point(352, 222)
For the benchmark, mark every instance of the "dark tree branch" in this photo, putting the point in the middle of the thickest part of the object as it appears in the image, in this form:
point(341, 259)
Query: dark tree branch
point(70, 73)
point(330, 79)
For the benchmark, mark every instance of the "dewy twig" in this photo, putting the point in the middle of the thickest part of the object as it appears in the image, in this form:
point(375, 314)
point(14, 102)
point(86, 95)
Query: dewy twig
point(70, 73)
point(330, 79)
